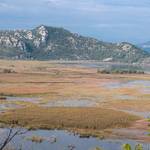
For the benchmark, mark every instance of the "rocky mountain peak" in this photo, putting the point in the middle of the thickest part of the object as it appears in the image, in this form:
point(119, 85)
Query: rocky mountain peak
point(46, 43)
point(43, 32)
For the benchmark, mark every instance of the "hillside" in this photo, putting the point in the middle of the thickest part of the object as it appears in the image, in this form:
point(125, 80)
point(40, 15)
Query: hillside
point(50, 43)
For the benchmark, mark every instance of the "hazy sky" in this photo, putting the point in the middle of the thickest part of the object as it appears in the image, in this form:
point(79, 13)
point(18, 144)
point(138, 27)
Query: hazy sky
point(108, 20)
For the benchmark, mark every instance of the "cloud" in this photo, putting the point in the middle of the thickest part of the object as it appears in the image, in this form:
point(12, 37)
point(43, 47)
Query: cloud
point(100, 5)
point(79, 15)
point(78, 5)
point(6, 6)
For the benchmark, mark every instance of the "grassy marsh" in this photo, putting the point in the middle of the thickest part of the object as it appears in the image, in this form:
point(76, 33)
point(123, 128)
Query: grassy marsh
point(93, 119)
point(53, 81)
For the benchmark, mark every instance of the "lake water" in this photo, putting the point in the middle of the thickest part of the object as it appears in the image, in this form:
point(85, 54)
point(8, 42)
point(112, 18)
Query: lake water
point(68, 141)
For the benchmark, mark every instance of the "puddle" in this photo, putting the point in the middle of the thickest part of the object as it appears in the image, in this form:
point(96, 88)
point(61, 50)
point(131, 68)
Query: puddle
point(5, 107)
point(71, 103)
point(8, 102)
point(68, 141)
point(124, 97)
point(135, 83)
point(138, 113)
point(132, 133)
point(144, 85)
point(146, 91)
point(23, 99)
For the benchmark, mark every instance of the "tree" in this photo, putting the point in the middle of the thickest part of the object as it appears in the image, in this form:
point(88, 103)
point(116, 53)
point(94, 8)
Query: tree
point(11, 134)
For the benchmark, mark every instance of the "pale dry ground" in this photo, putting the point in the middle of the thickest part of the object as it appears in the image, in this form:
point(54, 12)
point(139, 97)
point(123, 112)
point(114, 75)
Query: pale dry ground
point(52, 81)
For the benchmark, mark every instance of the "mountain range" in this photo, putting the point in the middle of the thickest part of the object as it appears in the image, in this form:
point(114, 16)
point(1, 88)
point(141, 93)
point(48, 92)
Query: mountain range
point(51, 43)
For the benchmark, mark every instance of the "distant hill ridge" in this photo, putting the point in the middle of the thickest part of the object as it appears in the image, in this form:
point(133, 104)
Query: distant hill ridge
point(145, 46)
point(51, 43)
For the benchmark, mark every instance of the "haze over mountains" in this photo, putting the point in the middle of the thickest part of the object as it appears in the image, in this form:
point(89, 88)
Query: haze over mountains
point(145, 46)
point(51, 43)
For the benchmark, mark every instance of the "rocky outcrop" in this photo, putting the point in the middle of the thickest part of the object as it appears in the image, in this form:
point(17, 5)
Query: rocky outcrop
point(44, 43)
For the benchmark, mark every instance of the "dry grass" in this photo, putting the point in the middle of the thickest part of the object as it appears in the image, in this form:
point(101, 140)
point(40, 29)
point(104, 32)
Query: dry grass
point(63, 118)
point(36, 139)
point(140, 105)
point(54, 81)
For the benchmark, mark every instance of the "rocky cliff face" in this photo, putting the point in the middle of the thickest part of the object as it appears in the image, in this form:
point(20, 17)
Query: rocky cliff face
point(44, 43)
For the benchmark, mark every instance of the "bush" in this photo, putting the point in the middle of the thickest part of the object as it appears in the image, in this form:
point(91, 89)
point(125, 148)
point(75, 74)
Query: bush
point(8, 71)
point(121, 69)
point(128, 147)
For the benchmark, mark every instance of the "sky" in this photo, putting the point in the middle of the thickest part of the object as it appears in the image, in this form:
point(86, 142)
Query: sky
point(107, 20)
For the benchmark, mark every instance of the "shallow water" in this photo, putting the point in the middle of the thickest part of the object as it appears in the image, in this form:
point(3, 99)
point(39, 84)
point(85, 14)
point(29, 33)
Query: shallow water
point(71, 103)
point(9, 102)
point(23, 99)
point(65, 140)
point(144, 85)
point(138, 113)
point(125, 97)
point(4, 107)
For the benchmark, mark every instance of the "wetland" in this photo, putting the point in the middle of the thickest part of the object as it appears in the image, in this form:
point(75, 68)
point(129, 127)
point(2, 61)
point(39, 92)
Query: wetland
point(81, 108)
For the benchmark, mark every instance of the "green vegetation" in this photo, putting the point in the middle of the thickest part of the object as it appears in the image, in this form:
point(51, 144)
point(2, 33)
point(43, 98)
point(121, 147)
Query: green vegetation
point(138, 147)
point(97, 148)
point(121, 69)
point(128, 147)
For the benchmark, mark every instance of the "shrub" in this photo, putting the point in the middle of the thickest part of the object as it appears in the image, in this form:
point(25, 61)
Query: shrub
point(8, 71)
point(128, 147)
point(36, 139)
